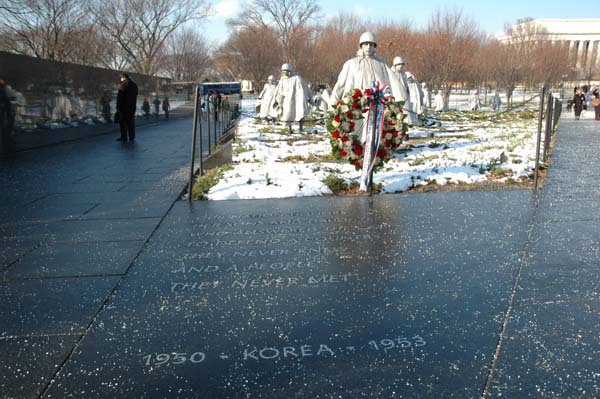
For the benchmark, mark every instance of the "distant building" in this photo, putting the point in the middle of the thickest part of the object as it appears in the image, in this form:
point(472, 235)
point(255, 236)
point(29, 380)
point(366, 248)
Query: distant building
point(582, 36)
point(247, 86)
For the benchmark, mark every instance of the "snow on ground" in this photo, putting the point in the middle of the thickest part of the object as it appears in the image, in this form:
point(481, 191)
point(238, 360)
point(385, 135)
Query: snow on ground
point(269, 162)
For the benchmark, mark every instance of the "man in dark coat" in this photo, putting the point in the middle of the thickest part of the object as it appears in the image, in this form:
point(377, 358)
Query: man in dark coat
point(7, 116)
point(126, 105)
point(578, 100)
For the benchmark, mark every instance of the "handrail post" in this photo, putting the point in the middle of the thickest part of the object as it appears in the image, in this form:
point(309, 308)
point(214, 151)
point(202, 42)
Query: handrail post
point(193, 149)
point(539, 137)
point(548, 125)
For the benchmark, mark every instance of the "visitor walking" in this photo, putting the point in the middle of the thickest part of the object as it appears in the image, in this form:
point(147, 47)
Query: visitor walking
point(578, 101)
point(146, 108)
point(156, 103)
point(166, 106)
point(596, 105)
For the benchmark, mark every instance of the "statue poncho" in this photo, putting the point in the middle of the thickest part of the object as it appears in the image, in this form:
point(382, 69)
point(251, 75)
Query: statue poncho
point(265, 99)
point(291, 99)
point(360, 72)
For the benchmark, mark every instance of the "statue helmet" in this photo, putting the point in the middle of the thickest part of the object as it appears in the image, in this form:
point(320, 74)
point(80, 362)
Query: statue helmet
point(271, 77)
point(286, 67)
point(398, 61)
point(368, 37)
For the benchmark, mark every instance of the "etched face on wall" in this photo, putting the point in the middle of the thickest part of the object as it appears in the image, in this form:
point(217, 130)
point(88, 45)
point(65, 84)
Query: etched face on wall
point(368, 49)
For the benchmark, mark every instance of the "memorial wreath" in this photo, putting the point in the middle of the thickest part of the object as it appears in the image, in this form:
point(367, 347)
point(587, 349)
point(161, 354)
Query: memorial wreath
point(341, 122)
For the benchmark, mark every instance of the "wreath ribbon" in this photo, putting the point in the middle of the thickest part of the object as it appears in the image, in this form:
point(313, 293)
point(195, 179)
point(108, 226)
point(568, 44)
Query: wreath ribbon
point(377, 96)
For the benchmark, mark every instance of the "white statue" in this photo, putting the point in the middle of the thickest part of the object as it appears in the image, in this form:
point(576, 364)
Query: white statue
point(413, 87)
point(321, 100)
point(291, 98)
point(426, 95)
point(265, 96)
point(439, 101)
point(61, 110)
point(496, 102)
point(18, 102)
point(360, 72)
point(77, 106)
point(474, 102)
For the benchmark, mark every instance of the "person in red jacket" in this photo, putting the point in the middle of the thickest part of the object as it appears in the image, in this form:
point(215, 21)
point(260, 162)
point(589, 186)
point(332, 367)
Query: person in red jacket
point(166, 107)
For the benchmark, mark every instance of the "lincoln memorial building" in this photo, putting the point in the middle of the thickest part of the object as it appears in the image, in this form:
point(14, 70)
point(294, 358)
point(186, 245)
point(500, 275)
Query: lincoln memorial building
point(582, 36)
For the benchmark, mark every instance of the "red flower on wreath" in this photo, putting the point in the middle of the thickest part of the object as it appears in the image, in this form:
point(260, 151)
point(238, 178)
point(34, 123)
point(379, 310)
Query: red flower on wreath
point(382, 153)
point(345, 140)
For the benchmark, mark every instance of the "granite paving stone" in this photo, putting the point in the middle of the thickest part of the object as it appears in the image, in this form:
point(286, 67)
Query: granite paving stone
point(351, 320)
point(38, 307)
point(560, 276)
point(565, 235)
point(67, 259)
point(33, 362)
point(551, 351)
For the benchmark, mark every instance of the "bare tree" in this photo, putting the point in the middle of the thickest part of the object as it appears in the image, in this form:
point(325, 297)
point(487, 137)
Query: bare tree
point(140, 27)
point(516, 57)
point(335, 42)
point(448, 47)
point(398, 39)
point(251, 54)
point(42, 28)
point(186, 55)
point(288, 18)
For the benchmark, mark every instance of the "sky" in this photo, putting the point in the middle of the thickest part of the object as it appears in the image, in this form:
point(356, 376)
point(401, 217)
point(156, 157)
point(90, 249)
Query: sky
point(490, 15)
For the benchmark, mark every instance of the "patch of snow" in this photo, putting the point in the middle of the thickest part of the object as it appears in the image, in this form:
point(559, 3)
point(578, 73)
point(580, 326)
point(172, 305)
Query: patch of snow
point(269, 162)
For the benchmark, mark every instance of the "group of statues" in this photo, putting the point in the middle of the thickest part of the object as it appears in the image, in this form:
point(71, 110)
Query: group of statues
point(290, 99)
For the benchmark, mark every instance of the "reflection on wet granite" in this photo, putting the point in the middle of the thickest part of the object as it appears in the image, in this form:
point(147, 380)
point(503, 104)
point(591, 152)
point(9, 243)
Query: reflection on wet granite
point(551, 351)
point(310, 298)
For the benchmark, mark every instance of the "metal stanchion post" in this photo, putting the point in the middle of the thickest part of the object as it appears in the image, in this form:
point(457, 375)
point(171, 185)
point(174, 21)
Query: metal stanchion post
point(548, 126)
point(208, 116)
point(193, 149)
point(201, 144)
point(372, 144)
point(539, 137)
point(217, 124)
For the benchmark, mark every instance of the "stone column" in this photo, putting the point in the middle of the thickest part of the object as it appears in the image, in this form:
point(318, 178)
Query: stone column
point(596, 55)
point(579, 54)
point(572, 52)
point(587, 55)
